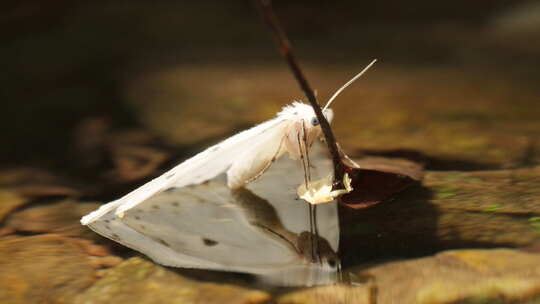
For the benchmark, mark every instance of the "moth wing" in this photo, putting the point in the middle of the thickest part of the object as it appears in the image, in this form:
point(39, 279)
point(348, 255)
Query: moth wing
point(207, 164)
point(104, 222)
point(257, 158)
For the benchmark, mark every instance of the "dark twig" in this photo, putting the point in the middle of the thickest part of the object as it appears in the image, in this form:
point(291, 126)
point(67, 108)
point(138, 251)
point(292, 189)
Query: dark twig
point(284, 47)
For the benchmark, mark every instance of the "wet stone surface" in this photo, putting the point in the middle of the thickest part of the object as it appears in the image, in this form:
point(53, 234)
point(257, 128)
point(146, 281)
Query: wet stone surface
point(460, 276)
point(450, 210)
point(480, 190)
point(61, 218)
point(474, 130)
point(43, 269)
point(140, 281)
point(9, 201)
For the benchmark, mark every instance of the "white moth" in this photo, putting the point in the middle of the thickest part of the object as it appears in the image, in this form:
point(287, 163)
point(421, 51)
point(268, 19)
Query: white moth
point(244, 157)
point(170, 237)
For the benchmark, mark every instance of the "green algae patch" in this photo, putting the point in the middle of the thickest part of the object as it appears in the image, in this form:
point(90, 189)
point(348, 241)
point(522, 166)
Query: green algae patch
point(535, 223)
point(445, 192)
point(492, 208)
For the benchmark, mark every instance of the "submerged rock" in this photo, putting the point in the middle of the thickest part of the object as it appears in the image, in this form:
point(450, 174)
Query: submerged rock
point(451, 210)
point(43, 269)
point(333, 294)
point(458, 276)
point(490, 207)
point(479, 276)
point(62, 217)
point(9, 201)
point(139, 281)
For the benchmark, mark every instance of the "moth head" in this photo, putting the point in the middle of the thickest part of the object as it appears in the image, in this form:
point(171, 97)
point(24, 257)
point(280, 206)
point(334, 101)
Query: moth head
point(328, 114)
point(327, 257)
point(329, 260)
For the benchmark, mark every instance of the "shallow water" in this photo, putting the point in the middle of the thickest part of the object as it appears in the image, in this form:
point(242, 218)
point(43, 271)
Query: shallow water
point(99, 98)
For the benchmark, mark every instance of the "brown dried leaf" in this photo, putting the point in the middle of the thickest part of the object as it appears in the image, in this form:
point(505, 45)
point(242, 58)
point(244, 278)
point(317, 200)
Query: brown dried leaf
point(379, 179)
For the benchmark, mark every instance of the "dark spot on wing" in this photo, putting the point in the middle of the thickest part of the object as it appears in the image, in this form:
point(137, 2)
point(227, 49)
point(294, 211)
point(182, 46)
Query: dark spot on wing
point(164, 243)
point(169, 175)
point(156, 207)
point(107, 221)
point(171, 189)
point(108, 227)
point(116, 236)
point(137, 217)
point(209, 242)
point(175, 204)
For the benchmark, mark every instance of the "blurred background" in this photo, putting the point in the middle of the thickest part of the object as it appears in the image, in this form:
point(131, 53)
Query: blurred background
point(99, 96)
point(157, 65)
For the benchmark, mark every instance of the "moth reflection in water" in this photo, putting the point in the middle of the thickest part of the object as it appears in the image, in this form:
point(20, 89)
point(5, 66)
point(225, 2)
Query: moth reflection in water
point(263, 229)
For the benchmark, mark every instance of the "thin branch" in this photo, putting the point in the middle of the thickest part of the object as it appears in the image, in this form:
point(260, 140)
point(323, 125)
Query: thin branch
point(284, 47)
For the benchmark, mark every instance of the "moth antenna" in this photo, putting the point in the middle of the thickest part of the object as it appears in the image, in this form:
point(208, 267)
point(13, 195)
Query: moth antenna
point(348, 83)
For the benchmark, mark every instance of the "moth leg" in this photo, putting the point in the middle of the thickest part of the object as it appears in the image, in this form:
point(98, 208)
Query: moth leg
point(311, 229)
point(306, 149)
point(302, 158)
